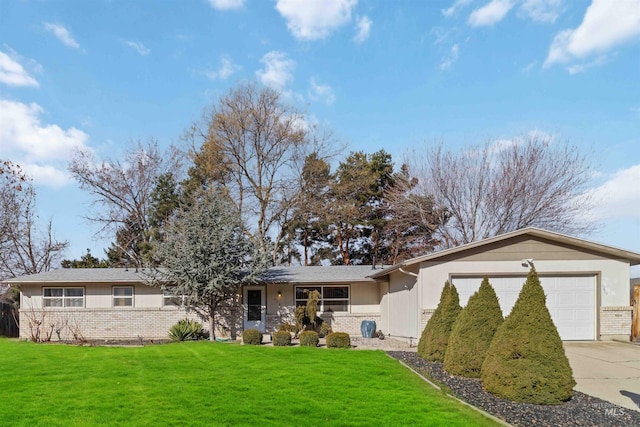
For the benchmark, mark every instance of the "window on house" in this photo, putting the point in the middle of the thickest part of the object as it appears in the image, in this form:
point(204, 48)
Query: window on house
point(332, 298)
point(63, 297)
point(169, 299)
point(123, 296)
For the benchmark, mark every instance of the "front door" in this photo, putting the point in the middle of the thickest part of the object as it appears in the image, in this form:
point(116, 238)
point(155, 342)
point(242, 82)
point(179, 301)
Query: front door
point(255, 310)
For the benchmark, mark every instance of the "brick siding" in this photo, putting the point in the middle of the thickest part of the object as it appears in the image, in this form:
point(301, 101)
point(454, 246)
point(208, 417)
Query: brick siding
point(115, 324)
point(615, 322)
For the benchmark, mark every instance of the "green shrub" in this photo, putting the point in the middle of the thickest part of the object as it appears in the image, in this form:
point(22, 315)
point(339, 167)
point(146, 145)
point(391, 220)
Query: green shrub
point(325, 329)
point(526, 361)
point(472, 333)
point(313, 303)
point(300, 316)
point(338, 340)
point(281, 338)
point(288, 327)
point(435, 336)
point(186, 330)
point(252, 337)
point(309, 339)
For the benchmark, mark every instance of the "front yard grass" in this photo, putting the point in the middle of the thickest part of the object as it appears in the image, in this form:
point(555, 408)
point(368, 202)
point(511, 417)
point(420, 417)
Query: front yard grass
point(202, 383)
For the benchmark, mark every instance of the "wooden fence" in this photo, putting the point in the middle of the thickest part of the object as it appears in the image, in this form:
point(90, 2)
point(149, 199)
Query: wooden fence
point(8, 316)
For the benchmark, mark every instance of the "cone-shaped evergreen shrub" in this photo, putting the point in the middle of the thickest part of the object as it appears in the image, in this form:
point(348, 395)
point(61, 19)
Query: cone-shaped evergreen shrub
point(525, 361)
point(472, 333)
point(433, 342)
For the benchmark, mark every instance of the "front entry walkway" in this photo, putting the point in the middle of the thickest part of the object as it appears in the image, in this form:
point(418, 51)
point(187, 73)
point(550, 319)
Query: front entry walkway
point(608, 370)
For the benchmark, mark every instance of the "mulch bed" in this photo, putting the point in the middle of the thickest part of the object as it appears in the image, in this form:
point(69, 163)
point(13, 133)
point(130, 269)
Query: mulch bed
point(581, 410)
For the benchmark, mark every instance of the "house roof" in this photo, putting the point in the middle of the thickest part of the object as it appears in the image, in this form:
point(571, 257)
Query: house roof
point(632, 257)
point(333, 274)
point(318, 274)
point(83, 275)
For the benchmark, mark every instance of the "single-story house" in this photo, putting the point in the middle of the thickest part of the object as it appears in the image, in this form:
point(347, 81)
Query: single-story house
point(586, 283)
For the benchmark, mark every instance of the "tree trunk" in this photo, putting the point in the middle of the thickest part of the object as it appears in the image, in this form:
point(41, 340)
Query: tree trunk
point(212, 323)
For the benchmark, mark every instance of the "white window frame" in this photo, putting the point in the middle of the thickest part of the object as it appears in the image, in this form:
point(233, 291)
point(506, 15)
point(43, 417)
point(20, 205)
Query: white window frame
point(171, 300)
point(125, 297)
point(321, 305)
point(64, 298)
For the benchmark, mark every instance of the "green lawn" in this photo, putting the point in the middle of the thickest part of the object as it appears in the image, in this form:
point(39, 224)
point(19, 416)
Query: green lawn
point(202, 383)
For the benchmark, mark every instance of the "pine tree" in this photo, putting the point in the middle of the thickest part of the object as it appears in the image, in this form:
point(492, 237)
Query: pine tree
point(526, 361)
point(435, 336)
point(472, 332)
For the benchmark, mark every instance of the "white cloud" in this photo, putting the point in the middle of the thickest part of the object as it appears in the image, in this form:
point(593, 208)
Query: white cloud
point(449, 60)
point(321, 92)
point(315, 19)
point(542, 10)
point(364, 28)
point(491, 13)
point(618, 197)
point(605, 25)
point(12, 73)
point(138, 47)
point(278, 70)
point(458, 4)
point(226, 4)
point(42, 150)
point(61, 34)
point(226, 70)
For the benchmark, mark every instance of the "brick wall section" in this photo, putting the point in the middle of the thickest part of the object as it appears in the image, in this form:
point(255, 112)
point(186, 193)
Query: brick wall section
point(340, 322)
point(112, 324)
point(615, 322)
point(350, 323)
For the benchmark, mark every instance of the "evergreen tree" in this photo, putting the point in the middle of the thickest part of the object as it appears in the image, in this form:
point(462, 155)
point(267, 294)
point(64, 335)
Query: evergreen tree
point(472, 332)
point(85, 261)
point(207, 256)
point(435, 336)
point(526, 361)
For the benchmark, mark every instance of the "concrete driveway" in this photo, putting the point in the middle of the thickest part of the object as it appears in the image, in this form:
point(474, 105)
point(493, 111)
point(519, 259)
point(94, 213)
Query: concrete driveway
point(607, 370)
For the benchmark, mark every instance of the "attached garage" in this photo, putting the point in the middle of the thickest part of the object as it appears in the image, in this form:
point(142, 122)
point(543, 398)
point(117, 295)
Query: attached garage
point(571, 300)
point(586, 283)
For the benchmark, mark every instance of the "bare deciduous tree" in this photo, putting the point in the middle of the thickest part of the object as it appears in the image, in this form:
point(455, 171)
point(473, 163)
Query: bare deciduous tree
point(23, 250)
point(501, 187)
point(252, 146)
point(414, 219)
point(122, 192)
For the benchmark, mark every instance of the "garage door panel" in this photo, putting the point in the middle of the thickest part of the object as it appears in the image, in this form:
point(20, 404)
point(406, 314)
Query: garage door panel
point(570, 300)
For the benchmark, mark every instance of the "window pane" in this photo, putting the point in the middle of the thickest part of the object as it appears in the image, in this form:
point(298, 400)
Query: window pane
point(123, 302)
point(172, 301)
point(303, 292)
point(335, 306)
point(73, 292)
point(73, 302)
point(335, 292)
point(53, 302)
point(52, 292)
point(123, 292)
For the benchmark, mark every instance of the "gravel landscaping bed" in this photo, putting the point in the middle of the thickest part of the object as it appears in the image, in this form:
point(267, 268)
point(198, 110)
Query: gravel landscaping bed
point(581, 410)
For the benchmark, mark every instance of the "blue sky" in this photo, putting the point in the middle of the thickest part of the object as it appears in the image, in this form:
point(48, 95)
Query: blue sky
point(396, 75)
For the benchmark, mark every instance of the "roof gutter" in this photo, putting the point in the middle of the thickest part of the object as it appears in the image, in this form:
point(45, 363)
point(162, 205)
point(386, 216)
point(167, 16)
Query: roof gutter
point(408, 273)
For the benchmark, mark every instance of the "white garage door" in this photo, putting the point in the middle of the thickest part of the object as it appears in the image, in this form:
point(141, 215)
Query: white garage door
point(570, 300)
